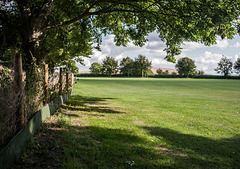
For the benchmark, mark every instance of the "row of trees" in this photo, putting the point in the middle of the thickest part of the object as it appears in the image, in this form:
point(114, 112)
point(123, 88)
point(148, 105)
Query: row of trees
point(226, 66)
point(140, 66)
point(186, 67)
point(166, 72)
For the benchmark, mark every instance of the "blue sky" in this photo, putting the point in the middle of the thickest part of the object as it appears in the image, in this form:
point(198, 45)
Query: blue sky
point(205, 57)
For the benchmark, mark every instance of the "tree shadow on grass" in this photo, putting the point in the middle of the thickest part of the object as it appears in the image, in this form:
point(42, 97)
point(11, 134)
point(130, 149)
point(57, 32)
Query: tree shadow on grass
point(89, 147)
point(89, 104)
point(73, 144)
point(44, 150)
point(100, 147)
point(78, 100)
point(200, 151)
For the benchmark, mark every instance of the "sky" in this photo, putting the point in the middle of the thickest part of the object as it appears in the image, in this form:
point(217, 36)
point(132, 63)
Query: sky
point(205, 57)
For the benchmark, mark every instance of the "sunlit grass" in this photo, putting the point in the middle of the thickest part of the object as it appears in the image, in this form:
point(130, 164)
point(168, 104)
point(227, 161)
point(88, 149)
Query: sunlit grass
point(163, 122)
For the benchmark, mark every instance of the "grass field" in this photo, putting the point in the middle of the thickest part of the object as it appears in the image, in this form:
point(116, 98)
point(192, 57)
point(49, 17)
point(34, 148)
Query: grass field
point(143, 123)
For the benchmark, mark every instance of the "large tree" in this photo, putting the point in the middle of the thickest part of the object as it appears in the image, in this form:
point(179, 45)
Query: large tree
point(127, 66)
point(96, 68)
point(110, 65)
point(237, 66)
point(142, 65)
point(225, 66)
point(185, 66)
point(40, 27)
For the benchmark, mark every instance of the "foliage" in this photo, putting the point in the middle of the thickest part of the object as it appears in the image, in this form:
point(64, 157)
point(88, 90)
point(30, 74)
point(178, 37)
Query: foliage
point(110, 65)
point(96, 68)
point(68, 44)
point(200, 72)
point(127, 66)
point(142, 65)
point(166, 72)
point(159, 71)
point(237, 66)
point(149, 73)
point(58, 30)
point(224, 66)
point(185, 66)
point(9, 101)
point(6, 80)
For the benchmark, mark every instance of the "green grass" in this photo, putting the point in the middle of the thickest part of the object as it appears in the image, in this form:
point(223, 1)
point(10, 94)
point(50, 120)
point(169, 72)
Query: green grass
point(152, 123)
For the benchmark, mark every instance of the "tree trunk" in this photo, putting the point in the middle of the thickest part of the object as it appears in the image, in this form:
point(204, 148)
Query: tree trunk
point(72, 80)
point(67, 81)
point(19, 88)
point(46, 84)
point(60, 81)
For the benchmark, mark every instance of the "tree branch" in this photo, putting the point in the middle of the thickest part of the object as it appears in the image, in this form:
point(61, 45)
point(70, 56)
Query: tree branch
point(84, 15)
point(138, 9)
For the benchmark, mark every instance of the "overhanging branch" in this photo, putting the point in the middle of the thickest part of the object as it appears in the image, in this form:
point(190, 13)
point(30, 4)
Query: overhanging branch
point(86, 14)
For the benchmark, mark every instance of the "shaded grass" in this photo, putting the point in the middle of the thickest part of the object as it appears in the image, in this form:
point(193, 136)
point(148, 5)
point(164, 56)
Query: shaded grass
point(149, 123)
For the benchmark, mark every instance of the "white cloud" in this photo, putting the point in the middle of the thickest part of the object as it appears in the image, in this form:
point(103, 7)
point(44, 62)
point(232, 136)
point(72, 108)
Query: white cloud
point(97, 56)
point(190, 46)
point(87, 62)
point(153, 37)
point(162, 63)
point(221, 43)
point(236, 45)
point(119, 57)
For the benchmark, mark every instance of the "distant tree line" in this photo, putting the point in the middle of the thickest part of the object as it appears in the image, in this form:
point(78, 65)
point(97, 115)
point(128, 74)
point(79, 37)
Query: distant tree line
point(140, 66)
point(185, 68)
point(226, 66)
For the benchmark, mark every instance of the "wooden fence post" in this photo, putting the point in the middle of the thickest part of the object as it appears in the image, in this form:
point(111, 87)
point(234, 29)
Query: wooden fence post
point(60, 81)
point(46, 83)
point(18, 78)
point(72, 80)
point(67, 81)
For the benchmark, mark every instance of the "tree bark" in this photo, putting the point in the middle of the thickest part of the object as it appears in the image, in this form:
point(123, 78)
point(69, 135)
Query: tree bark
point(67, 81)
point(72, 80)
point(46, 84)
point(60, 80)
point(19, 88)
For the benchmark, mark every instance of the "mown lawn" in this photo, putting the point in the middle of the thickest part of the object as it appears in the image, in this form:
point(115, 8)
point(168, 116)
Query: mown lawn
point(142, 123)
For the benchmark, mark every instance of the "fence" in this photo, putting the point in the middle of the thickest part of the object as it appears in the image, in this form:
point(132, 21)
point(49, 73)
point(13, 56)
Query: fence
point(24, 93)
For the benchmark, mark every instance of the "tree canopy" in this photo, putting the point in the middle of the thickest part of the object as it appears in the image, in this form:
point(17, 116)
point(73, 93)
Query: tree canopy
point(110, 65)
point(142, 65)
point(57, 30)
point(225, 66)
point(96, 68)
point(185, 66)
point(127, 66)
